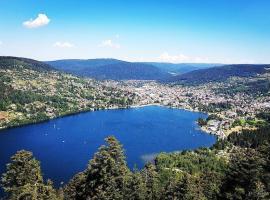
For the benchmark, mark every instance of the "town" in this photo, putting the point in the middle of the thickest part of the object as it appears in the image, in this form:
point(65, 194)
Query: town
point(228, 112)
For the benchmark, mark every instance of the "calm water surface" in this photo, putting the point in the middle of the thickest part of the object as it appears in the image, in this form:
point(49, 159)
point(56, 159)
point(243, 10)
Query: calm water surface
point(65, 145)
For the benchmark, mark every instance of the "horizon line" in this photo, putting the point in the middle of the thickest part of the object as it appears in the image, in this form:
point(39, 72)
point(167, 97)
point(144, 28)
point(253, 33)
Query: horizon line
point(132, 61)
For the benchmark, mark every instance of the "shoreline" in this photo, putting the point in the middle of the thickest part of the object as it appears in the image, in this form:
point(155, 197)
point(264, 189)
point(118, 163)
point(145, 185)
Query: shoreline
point(61, 116)
point(113, 108)
point(202, 128)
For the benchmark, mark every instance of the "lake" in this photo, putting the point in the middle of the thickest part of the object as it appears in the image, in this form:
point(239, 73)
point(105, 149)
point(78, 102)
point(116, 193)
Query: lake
point(65, 145)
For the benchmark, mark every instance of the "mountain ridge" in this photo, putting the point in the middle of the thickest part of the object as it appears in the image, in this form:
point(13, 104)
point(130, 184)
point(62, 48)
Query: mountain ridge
point(219, 74)
point(110, 69)
point(101, 68)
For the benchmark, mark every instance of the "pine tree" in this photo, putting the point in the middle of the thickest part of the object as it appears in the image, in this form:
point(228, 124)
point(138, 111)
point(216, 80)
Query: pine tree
point(211, 182)
point(258, 192)
point(74, 190)
point(265, 151)
point(135, 189)
point(246, 168)
point(23, 179)
point(47, 192)
point(151, 181)
point(170, 191)
point(107, 172)
point(189, 188)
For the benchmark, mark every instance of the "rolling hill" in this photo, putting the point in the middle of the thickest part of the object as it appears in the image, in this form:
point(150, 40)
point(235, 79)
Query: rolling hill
point(180, 68)
point(110, 69)
point(219, 74)
point(122, 70)
point(76, 65)
point(9, 62)
point(126, 71)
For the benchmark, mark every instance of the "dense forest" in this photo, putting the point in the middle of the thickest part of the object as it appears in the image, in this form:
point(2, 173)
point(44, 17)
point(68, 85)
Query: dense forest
point(79, 66)
point(234, 168)
point(256, 86)
point(111, 69)
point(219, 74)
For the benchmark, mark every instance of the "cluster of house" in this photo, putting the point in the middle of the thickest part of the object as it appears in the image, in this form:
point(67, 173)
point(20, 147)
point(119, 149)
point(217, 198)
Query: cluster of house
point(241, 105)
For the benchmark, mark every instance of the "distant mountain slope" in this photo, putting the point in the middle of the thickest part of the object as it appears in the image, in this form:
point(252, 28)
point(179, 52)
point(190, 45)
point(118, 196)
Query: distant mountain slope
point(219, 74)
point(110, 69)
point(76, 65)
point(126, 71)
point(31, 91)
point(180, 68)
point(9, 62)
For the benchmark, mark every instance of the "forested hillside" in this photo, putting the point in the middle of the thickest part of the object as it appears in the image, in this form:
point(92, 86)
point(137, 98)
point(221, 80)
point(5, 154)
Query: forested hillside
point(219, 74)
point(32, 91)
point(76, 65)
point(256, 86)
point(180, 68)
point(111, 69)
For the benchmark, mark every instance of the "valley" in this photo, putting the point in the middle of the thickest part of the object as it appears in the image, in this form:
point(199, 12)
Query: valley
point(134, 100)
point(170, 119)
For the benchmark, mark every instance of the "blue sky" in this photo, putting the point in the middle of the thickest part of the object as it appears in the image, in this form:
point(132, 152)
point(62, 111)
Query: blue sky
point(220, 31)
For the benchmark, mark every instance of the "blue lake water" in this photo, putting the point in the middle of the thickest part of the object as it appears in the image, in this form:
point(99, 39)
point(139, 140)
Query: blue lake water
point(65, 145)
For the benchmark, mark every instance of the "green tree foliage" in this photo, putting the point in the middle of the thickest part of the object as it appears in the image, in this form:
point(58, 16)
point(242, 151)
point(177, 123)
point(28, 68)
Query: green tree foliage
point(210, 183)
point(136, 187)
point(192, 161)
point(244, 175)
point(107, 173)
point(151, 181)
point(250, 138)
point(187, 188)
point(75, 189)
point(258, 191)
point(23, 179)
point(264, 149)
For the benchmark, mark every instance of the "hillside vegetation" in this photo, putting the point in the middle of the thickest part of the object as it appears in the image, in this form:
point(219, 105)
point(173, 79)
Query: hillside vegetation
point(219, 74)
point(32, 91)
point(110, 69)
point(76, 65)
point(181, 68)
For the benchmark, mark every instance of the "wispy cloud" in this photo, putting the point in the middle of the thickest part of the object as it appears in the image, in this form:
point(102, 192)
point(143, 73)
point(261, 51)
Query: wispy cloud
point(1, 42)
point(63, 45)
point(166, 57)
point(41, 20)
point(109, 43)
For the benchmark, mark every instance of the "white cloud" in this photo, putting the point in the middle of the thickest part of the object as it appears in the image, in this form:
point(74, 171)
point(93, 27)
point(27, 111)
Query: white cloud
point(109, 43)
point(181, 58)
point(246, 61)
point(63, 45)
point(1, 42)
point(200, 60)
point(41, 20)
point(173, 58)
